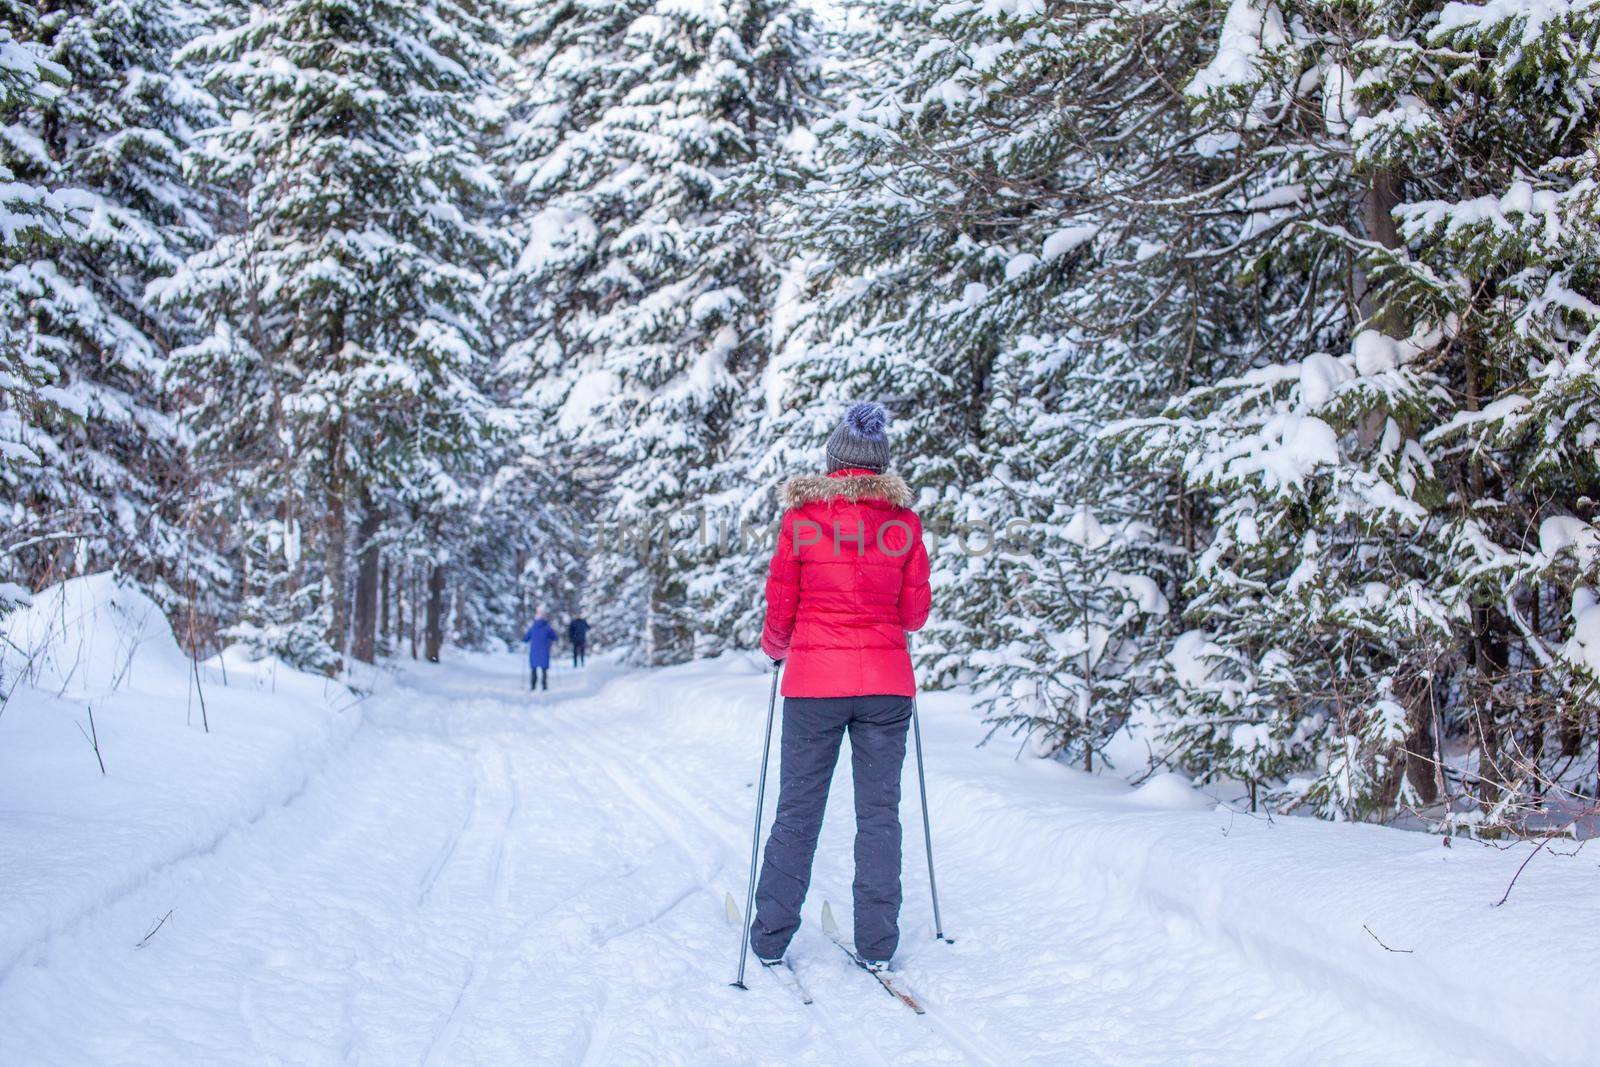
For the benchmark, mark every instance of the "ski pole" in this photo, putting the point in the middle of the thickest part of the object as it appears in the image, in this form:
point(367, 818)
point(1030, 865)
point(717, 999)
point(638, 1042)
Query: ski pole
point(927, 824)
point(755, 837)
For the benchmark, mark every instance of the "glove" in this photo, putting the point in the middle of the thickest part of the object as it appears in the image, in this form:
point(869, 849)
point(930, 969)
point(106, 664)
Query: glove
point(776, 663)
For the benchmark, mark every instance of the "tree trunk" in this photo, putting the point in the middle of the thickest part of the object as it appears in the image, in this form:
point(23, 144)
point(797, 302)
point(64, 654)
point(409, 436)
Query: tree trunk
point(1571, 730)
point(334, 552)
point(1489, 643)
point(1377, 209)
point(334, 532)
point(1377, 217)
point(412, 573)
point(522, 588)
point(1421, 766)
point(435, 636)
point(650, 628)
point(385, 632)
point(365, 647)
point(1489, 665)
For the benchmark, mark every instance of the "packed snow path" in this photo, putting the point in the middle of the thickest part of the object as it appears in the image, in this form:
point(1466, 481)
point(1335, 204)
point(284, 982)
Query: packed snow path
point(482, 875)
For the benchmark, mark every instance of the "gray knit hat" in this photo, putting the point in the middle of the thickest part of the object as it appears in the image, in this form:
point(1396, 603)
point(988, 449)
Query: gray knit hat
point(859, 439)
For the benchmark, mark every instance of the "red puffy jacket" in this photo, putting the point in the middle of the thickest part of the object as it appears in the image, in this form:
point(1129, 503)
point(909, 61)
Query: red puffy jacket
point(848, 579)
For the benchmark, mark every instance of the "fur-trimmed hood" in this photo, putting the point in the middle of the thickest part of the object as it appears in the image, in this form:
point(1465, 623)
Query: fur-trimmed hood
point(805, 489)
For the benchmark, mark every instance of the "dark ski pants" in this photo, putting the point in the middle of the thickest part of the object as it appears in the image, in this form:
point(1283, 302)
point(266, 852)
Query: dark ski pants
point(538, 676)
point(579, 650)
point(812, 730)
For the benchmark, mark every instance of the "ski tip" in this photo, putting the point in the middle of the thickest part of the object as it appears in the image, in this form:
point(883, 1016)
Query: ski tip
point(735, 916)
point(829, 925)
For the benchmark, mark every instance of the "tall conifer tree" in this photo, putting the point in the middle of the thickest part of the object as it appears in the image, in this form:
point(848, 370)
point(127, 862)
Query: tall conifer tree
point(644, 286)
point(345, 349)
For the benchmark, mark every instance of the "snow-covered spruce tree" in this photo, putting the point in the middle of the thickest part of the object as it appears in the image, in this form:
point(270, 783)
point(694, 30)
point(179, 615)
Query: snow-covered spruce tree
point(340, 372)
point(112, 489)
point(31, 219)
point(736, 490)
point(643, 285)
point(1306, 588)
point(1369, 588)
point(1493, 124)
point(973, 266)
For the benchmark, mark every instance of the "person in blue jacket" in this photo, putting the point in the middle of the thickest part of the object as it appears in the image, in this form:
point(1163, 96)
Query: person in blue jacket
point(540, 636)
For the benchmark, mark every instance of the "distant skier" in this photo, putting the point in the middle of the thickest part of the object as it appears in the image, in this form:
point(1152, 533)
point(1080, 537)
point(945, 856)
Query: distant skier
point(848, 579)
point(540, 636)
point(578, 634)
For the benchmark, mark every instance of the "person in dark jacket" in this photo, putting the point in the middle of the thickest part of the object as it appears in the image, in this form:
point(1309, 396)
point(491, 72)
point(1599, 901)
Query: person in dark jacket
point(848, 580)
point(540, 636)
point(578, 634)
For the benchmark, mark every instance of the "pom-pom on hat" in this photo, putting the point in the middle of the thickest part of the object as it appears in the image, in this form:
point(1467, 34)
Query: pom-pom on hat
point(860, 439)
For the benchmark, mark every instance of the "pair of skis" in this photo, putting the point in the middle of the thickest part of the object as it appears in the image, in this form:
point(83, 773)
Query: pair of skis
point(785, 971)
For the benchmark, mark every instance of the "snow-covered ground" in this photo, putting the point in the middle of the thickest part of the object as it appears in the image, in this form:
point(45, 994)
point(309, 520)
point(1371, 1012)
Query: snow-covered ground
point(454, 871)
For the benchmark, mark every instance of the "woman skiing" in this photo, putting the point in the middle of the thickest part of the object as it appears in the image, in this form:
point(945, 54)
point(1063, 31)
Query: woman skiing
point(848, 579)
point(540, 636)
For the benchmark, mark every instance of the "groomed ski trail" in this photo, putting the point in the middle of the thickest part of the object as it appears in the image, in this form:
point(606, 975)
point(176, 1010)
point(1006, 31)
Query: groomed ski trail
point(485, 875)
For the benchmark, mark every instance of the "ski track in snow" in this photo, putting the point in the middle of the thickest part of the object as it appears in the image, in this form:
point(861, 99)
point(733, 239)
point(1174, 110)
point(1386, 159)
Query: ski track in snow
point(488, 876)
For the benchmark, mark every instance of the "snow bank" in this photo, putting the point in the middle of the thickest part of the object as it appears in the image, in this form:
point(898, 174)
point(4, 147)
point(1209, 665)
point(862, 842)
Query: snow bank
point(1302, 902)
point(72, 839)
point(491, 876)
point(1304, 899)
point(1170, 791)
point(86, 636)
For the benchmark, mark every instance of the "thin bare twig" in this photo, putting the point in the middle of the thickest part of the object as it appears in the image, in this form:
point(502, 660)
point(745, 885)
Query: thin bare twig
point(145, 940)
point(93, 737)
point(1520, 868)
point(1386, 948)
